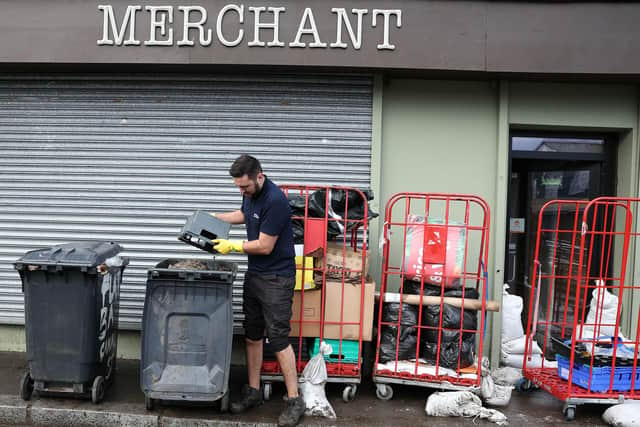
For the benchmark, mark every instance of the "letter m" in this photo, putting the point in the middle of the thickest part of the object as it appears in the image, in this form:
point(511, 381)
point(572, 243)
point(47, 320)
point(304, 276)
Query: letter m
point(129, 21)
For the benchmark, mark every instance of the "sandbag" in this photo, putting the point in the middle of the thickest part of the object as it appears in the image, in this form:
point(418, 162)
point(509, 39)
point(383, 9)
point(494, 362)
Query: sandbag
point(406, 346)
point(461, 404)
point(517, 346)
point(492, 393)
point(511, 311)
point(501, 395)
point(311, 385)
point(624, 415)
point(516, 360)
point(506, 376)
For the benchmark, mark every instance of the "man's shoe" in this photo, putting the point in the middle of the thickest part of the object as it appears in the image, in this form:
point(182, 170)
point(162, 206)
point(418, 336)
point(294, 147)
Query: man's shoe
point(250, 398)
point(291, 415)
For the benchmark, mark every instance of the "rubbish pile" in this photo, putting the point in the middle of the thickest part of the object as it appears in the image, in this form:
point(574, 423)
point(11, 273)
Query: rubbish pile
point(440, 335)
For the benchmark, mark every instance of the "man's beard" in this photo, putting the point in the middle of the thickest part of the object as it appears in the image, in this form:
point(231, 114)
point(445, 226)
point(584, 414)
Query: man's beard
point(258, 190)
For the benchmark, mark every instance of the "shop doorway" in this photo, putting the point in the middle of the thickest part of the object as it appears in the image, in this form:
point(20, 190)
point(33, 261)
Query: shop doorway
point(545, 167)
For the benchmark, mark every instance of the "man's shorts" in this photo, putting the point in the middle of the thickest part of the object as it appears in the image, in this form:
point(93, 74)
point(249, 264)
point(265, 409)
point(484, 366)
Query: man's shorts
point(266, 304)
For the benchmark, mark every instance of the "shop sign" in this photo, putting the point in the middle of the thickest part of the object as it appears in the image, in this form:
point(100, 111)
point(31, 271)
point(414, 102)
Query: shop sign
point(228, 26)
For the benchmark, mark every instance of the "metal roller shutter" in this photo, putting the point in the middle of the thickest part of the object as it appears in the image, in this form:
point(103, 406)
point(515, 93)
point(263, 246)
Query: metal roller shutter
point(128, 158)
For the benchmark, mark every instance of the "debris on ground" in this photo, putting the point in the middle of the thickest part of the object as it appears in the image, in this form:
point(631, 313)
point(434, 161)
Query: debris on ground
point(461, 404)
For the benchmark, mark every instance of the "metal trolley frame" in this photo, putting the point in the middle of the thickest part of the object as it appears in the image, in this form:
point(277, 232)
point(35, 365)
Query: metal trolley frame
point(316, 215)
point(570, 292)
point(437, 219)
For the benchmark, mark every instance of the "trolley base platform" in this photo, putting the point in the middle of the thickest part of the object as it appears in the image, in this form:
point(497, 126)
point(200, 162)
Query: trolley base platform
point(572, 395)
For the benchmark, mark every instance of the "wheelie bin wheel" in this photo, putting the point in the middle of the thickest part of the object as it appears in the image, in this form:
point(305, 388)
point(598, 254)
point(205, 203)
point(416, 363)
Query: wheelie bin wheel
point(349, 393)
point(224, 403)
point(266, 391)
point(26, 386)
point(384, 391)
point(149, 403)
point(97, 391)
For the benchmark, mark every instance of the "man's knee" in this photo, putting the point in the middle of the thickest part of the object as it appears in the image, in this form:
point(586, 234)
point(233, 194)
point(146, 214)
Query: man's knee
point(279, 343)
point(252, 342)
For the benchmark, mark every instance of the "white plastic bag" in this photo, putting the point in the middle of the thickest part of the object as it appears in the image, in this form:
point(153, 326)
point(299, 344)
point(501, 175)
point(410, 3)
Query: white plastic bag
point(461, 404)
point(311, 385)
point(603, 310)
point(625, 415)
point(511, 310)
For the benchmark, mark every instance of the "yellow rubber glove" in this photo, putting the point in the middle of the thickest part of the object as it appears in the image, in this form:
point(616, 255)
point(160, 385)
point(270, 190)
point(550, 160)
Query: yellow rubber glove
point(225, 246)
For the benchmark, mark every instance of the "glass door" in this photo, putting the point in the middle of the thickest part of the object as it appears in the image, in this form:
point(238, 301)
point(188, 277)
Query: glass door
point(545, 168)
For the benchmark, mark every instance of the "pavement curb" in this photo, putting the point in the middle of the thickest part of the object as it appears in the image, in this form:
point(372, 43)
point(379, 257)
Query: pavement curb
point(15, 411)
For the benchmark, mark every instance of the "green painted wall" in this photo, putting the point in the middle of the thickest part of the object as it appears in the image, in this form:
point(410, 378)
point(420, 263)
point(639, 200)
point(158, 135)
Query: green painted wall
point(452, 136)
point(435, 136)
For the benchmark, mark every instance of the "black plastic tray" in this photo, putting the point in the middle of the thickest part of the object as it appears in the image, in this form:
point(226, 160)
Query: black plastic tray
point(583, 357)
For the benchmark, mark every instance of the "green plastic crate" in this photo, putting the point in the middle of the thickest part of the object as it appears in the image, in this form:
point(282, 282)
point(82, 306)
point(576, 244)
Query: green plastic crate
point(349, 352)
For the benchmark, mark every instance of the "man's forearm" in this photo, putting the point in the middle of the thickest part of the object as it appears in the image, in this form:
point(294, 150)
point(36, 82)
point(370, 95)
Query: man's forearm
point(234, 217)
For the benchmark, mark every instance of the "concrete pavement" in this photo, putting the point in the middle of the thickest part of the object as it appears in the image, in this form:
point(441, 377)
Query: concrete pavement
point(124, 406)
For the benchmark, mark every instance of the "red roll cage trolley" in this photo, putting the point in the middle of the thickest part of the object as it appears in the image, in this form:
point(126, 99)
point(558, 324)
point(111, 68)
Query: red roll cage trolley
point(434, 257)
point(333, 300)
point(584, 278)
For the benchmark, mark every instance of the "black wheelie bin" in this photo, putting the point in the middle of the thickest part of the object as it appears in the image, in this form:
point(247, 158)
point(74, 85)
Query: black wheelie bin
point(187, 331)
point(71, 295)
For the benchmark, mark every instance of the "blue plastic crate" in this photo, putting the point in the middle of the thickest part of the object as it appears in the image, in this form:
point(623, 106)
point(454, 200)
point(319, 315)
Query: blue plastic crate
point(349, 352)
point(600, 376)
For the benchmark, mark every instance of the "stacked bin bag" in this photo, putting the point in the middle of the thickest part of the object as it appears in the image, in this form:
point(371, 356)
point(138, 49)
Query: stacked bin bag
point(71, 294)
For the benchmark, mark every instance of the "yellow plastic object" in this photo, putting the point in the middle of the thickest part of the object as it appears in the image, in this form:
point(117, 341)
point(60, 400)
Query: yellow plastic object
point(308, 273)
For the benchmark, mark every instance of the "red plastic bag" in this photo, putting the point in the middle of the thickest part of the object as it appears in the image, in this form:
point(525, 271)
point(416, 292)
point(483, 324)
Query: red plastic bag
point(434, 250)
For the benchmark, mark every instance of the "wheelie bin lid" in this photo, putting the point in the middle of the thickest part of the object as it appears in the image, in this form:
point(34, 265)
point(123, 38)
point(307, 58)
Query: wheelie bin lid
point(75, 254)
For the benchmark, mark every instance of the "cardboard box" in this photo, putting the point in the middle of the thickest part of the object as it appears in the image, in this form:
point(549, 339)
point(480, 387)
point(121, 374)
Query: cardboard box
point(341, 259)
point(351, 314)
point(310, 322)
point(308, 273)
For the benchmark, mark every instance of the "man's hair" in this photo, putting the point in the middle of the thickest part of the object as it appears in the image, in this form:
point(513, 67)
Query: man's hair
point(245, 165)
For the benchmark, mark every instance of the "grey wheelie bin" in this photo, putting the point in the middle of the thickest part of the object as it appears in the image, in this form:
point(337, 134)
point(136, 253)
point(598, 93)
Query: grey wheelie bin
point(71, 295)
point(187, 331)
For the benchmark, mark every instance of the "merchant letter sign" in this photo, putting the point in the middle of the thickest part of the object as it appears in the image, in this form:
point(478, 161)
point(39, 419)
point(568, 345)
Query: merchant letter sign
point(234, 25)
